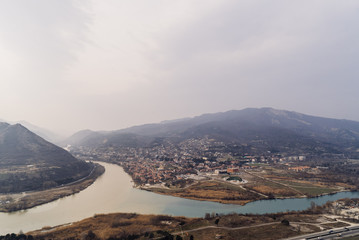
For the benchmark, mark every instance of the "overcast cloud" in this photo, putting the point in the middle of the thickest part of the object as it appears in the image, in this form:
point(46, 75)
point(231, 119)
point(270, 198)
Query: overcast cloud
point(71, 65)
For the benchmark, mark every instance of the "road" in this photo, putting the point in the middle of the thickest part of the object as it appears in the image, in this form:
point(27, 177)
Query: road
point(226, 228)
point(270, 180)
point(337, 233)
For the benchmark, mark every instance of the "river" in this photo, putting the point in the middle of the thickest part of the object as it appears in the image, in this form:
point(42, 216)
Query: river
point(113, 192)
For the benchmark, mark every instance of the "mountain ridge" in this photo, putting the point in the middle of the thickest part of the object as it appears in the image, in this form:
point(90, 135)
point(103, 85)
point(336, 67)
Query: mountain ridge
point(263, 128)
point(46, 134)
point(28, 162)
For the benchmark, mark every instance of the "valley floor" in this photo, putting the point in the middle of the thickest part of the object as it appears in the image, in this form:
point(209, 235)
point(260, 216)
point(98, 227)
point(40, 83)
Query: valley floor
point(265, 182)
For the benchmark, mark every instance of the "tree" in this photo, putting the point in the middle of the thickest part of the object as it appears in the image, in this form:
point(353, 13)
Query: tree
point(191, 237)
point(90, 235)
point(216, 221)
point(285, 222)
point(271, 196)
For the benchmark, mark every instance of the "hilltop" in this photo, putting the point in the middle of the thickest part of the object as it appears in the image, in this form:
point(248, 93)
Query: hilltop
point(28, 162)
point(254, 129)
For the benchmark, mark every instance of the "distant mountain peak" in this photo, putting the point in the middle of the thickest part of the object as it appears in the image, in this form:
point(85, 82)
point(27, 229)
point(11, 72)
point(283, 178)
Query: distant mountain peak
point(264, 129)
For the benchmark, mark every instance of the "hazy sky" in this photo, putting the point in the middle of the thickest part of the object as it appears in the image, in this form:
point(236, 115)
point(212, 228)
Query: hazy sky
point(109, 64)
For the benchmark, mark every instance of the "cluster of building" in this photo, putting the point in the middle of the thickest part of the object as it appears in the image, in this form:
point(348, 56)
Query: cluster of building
point(348, 208)
point(299, 168)
point(168, 163)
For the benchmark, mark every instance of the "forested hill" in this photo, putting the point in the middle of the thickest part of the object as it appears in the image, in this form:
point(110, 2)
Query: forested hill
point(263, 129)
point(28, 162)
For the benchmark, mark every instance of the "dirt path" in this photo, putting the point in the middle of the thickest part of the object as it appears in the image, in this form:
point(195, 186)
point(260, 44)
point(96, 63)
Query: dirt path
point(225, 228)
point(270, 180)
point(261, 225)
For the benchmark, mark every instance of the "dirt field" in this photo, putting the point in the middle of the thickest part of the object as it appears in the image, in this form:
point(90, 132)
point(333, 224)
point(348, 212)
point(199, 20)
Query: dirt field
point(232, 226)
point(213, 191)
point(261, 183)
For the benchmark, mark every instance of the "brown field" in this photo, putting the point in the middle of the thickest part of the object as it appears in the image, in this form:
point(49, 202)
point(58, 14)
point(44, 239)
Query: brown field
point(262, 183)
point(268, 186)
point(213, 191)
point(232, 226)
point(116, 225)
point(334, 225)
point(276, 190)
point(285, 183)
point(265, 182)
point(275, 231)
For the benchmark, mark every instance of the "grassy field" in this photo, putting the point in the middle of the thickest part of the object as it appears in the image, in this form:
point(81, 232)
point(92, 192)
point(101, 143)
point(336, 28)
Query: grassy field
point(277, 190)
point(261, 183)
point(215, 191)
point(290, 182)
point(308, 188)
point(315, 191)
point(271, 232)
point(135, 226)
point(116, 226)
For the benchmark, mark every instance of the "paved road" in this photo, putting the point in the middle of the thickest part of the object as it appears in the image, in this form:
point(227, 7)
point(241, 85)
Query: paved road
point(336, 233)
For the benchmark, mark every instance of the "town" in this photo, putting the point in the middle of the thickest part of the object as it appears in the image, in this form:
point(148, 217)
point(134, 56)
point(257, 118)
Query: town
point(167, 164)
point(194, 167)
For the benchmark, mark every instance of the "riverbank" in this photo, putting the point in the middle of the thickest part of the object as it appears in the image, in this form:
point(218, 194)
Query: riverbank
point(255, 187)
point(114, 192)
point(212, 191)
point(26, 200)
point(223, 193)
point(231, 226)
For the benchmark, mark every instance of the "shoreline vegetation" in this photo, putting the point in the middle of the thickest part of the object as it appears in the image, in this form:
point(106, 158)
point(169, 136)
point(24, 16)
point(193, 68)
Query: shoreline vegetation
point(207, 196)
point(211, 226)
point(225, 201)
point(225, 192)
point(194, 193)
point(22, 201)
point(203, 190)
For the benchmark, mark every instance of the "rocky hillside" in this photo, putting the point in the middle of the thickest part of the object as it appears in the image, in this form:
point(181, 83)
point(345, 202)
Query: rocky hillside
point(28, 162)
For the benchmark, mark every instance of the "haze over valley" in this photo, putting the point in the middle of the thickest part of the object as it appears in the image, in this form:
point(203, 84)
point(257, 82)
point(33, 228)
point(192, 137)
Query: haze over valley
point(191, 119)
point(254, 130)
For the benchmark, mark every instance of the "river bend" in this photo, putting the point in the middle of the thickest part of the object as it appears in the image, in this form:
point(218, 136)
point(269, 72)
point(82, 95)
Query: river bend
point(113, 192)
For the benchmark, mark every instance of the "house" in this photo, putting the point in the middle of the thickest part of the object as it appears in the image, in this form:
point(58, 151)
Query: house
point(218, 171)
point(232, 170)
point(299, 169)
